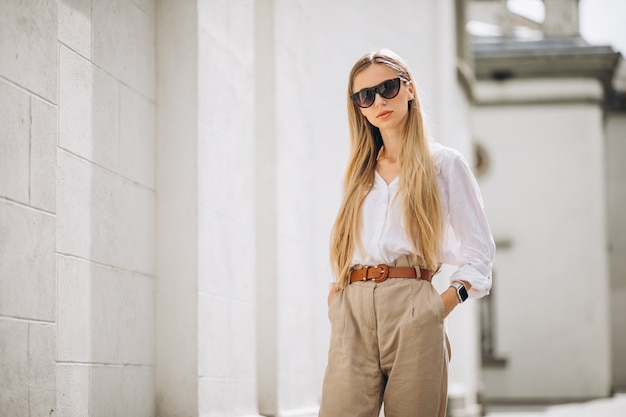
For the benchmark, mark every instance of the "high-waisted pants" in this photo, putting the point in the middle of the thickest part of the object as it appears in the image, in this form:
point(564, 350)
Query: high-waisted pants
point(387, 344)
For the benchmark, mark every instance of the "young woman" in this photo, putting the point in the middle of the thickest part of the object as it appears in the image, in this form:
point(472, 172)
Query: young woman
point(409, 205)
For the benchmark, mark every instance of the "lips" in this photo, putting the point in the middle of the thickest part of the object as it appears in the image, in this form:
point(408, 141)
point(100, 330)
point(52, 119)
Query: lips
point(383, 114)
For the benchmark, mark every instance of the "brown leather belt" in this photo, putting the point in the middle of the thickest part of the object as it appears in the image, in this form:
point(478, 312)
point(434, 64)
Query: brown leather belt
point(381, 272)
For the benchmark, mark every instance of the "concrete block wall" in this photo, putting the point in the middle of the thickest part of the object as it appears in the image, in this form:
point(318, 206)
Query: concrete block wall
point(28, 116)
point(105, 237)
point(226, 155)
point(77, 204)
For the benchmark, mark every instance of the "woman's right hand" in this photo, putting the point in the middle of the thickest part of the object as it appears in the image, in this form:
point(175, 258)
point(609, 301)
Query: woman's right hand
point(334, 289)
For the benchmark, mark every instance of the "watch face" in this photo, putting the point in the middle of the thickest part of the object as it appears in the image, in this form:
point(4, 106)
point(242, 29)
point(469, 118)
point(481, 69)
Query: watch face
point(462, 293)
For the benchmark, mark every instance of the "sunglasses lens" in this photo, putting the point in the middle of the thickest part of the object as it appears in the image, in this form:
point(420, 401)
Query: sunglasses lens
point(364, 98)
point(390, 88)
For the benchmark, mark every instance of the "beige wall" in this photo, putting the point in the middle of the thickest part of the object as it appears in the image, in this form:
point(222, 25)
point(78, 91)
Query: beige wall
point(545, 189)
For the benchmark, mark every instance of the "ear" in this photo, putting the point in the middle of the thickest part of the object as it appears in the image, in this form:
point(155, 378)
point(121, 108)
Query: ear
point(411, 86)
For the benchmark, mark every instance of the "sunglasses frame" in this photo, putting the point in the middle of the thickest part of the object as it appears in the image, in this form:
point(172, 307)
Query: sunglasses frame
point(377, 90)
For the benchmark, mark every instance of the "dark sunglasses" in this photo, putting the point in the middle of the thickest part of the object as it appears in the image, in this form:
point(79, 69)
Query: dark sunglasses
point(387, 89)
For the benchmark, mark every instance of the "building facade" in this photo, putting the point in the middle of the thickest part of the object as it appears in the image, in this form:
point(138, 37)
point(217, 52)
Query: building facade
point(169, 174)
point(548, 118)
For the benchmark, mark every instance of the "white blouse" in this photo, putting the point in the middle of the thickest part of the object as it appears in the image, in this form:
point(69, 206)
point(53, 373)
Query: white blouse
point(467, 244)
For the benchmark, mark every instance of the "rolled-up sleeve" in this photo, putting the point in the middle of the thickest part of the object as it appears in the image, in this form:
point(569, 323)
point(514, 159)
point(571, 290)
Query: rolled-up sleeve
point(468, 242)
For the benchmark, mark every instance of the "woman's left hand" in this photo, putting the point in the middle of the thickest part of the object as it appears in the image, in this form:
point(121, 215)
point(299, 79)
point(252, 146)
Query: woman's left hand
point(450, 300)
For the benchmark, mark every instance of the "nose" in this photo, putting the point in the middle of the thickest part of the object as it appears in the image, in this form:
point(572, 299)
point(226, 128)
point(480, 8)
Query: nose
point(379, 100)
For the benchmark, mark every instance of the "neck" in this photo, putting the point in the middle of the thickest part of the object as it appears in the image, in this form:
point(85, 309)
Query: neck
point(392, 145)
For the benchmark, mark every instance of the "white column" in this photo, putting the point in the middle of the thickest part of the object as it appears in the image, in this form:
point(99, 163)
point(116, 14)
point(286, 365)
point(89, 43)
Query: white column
point(452, 128)
point(266, 250)
point(177, 209)
point(226, 158)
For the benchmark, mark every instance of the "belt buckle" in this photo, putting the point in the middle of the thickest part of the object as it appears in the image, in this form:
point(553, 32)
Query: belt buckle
point(383, 269)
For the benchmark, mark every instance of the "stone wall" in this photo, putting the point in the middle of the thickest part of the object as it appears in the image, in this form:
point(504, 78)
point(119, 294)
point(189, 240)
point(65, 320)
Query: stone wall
point(77, 196)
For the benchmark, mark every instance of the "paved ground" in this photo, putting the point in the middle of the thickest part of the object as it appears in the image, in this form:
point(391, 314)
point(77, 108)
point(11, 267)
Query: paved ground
point(610, 407)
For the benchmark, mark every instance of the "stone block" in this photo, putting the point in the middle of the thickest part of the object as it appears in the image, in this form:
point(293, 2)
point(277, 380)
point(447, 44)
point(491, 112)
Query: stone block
point(76, 108)
point(136, 321)
point(227, 397)
point(89, 111)
point(27, 263)
point(121, 391)
point(28, 45)
point(13, 367)
point(231, 24)
point(75, 25)
point(75, 196)
point(226, 338)
point(15, 143)
point(43, 155)
point(216, 61)
point(42, 369)
point(105, 315)
point(226, 163)
point(72, 383)
point(104, 217)
point(74, 331)
point(105, 391)
point(137, 137)
point(124, 43)
point(122, 317)
point(105, 95)
point(213, 337)
point(147, 6)
point(226, 265)
point(226, 146)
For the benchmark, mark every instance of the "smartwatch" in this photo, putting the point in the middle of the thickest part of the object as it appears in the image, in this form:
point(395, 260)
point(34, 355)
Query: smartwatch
point(461, 291)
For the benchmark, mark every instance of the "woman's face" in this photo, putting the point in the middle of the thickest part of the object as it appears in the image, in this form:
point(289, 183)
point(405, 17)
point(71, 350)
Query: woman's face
point(385, 114)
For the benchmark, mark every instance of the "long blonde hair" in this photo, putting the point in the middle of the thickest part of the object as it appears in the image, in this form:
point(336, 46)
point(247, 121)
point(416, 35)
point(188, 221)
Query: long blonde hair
point(418, 178)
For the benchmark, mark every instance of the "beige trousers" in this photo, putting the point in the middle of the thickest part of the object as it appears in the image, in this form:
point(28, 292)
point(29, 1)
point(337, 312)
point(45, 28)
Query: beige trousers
point(388, 345)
